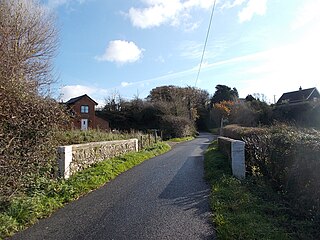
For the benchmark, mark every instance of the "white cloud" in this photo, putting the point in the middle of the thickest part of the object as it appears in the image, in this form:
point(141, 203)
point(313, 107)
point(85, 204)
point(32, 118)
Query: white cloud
point(120, 51)
point(173, 12)
point(249, 8)
point(271, 72)
point(258, 7)
point(233, 4)
point(71, 91)
point(285, 68)
point(194, 50)
point(308, 13)
point(125, 84)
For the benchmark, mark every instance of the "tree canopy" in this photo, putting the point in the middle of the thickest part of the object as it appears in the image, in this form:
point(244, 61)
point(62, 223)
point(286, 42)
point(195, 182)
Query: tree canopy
point(224, 93)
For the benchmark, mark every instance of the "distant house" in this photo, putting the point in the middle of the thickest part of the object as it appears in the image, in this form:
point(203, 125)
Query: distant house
point(302, 95)
point(83, 112)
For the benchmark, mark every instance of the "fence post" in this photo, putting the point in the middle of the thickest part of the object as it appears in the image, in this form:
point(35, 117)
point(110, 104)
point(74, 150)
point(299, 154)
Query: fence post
point(155, 136)
point(141, 144)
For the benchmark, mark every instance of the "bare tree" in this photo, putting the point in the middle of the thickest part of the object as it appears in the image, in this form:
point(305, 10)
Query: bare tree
point(28, 121)
point(28, 42)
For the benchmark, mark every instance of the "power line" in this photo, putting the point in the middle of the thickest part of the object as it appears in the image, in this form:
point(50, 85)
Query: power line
point(205, 43)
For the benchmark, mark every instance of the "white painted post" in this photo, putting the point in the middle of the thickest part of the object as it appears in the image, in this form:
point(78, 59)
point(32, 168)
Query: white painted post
point(136, 144)
point(65, 159)
point(238, 159)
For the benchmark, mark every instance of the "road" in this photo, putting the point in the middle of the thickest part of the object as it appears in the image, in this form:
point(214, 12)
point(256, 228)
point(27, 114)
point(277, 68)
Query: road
point(163, 198)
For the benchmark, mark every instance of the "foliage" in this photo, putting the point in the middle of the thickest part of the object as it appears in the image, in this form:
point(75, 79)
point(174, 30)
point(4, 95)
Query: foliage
point(164, 104)
point(286, 158)
point(250, 209)
point(45, 195)
point(251, 113)
point(69, 137)
point(220, 111)
point(27, 121)
point(238, 212)
point(177, 127)
point(224, 93)
point(305, 114)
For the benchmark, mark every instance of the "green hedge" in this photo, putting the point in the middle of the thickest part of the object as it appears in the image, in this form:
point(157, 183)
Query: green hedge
point(287, 158)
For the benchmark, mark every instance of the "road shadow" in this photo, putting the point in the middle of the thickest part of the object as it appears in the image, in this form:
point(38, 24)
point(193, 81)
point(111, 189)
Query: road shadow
point(189, 191)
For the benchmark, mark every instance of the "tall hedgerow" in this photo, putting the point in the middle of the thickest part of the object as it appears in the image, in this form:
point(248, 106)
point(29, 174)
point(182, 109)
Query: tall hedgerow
point(287, 158)
point(28, 119)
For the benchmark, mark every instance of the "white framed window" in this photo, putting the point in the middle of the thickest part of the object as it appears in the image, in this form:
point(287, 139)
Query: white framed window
point(84, 109)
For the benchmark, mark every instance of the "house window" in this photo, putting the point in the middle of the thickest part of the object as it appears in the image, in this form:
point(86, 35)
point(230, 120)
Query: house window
point(84, 109)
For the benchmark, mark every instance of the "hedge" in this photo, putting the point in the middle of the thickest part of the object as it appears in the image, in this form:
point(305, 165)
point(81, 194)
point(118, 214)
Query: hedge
point(287, 158)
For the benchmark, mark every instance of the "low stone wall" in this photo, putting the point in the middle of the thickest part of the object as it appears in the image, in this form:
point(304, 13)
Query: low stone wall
point(74, 158)
point(234, 150)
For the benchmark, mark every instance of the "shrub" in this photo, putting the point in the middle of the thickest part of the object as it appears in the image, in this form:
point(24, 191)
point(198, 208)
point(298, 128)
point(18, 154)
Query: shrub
point(286, 157)
point(27, 120)
point(177, 127)
point(27, 143)
point(306, 114)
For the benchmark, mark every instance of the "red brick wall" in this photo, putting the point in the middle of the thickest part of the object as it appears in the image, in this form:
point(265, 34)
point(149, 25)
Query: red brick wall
point(78, 115)
point(102, 124)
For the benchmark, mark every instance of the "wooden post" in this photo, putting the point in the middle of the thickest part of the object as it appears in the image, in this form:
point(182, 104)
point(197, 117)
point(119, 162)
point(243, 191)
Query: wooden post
point(141, 144)
point(221, 127)
point(155, 136)
point(149, 138)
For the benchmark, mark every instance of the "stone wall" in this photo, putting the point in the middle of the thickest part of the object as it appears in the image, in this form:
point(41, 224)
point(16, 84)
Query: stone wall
point(234, 150)
point(77, 157)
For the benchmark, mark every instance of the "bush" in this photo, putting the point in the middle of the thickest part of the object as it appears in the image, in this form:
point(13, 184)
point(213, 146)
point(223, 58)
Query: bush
point(27, 120)
point(177, 127)
point(251, 113)
point(286, 157)
point(27, 143)
point(305, 114)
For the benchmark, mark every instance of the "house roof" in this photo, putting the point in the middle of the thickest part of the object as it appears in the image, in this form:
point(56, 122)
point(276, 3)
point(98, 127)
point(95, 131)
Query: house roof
point(298, 96)
point(73, 100)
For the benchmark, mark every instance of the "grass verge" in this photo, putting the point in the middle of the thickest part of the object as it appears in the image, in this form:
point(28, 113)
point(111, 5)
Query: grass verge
point(45, 196)
point(177, 140)
point(249, 209)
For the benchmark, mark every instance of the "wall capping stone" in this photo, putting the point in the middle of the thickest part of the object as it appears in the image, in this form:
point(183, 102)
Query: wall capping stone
point(74, 158)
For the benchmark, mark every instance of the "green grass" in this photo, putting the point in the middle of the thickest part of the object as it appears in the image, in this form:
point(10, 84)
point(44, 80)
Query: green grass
point(69, 137)
point(45, 196)
point(180, 139)
point(245, 209)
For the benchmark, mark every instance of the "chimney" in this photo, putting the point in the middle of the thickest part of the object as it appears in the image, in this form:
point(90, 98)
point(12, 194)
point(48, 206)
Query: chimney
point(300, 88)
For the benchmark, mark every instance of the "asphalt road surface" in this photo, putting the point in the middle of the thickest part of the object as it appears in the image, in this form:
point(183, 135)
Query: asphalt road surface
point(163, 198)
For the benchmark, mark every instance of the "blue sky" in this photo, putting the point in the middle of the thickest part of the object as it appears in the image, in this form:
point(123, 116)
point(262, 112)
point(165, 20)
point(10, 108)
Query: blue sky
point(131, 46)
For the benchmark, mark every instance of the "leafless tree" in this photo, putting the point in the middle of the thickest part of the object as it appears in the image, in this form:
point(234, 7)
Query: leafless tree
point(28, 120)
point(28, 42)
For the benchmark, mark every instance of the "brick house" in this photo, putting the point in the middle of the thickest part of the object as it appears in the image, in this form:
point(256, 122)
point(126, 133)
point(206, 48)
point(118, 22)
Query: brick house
point(83, 112)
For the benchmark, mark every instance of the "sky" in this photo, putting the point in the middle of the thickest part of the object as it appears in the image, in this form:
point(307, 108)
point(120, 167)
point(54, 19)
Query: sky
point(129, 47)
